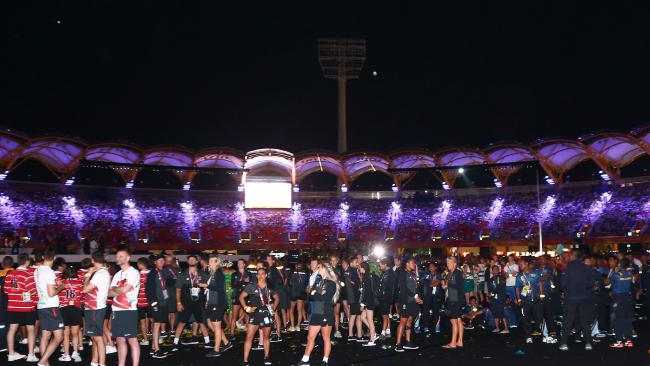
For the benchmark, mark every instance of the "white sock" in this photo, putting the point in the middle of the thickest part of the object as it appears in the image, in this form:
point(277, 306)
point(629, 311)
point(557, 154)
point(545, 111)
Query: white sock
point(305, 358)
point(325, 359)
point(175, 341)
point(206, 339)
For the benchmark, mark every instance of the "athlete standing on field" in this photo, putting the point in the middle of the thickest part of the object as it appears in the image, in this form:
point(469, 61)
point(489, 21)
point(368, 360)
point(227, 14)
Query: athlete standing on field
point(124, 319)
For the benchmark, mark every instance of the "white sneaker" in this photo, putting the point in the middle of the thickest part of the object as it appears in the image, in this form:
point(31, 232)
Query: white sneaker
point(110, 350)
point(65, 358)
point(94, 364)
point(76, 357)
point(144, 342)
point(15, 357)
point(32, 358)
point(529, 340)
point(549, 340)
point(337, 334)
point(23, 341)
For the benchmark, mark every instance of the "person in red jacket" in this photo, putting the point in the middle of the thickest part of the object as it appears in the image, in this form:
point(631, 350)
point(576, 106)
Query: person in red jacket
point(70, 303)
point(143, 305)
point(21, 308)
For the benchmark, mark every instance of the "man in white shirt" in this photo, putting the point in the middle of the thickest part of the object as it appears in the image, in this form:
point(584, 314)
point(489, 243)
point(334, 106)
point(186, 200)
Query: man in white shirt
point(124, 324)
point(511, 269)
point(48, 288)
point(96, 283)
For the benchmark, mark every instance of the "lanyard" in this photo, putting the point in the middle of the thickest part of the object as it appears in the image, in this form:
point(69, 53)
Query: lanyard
point(193, 278)
point(162, 282)
point(266, 300)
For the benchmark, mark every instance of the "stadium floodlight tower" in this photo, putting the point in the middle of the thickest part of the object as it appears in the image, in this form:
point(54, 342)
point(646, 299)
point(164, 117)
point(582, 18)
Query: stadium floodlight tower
point(342, 59)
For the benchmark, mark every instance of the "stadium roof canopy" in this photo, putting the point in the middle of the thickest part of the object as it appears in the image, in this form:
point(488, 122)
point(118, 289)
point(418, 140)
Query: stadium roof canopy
point(62, 155)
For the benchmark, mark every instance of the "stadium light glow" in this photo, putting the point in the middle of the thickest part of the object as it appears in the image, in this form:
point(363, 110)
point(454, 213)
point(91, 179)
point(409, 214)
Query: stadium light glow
point(344, 188)
point(379, 251)
point(186, 186)
point(69, 181)
point(445, 186)
point(3, 176)
point(70, 201)
point(129, 203)
point(604, 176)
point(461, 170)
point(129, 184)
point(344, 206)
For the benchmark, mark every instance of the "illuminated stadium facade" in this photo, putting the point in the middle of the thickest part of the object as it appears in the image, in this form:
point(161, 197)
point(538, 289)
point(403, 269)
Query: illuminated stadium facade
point(607, 212)
point(610, 151)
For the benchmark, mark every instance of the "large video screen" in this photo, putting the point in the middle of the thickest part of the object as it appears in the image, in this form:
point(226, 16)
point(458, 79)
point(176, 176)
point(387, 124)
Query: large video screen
point(267, 194)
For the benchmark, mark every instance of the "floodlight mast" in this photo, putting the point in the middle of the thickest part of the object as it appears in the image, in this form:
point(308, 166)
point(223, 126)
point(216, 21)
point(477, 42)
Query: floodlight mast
point(342, 59)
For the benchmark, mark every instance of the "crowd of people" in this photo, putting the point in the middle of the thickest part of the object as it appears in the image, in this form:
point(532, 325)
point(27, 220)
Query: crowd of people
point(55, 308)
point(75, 218)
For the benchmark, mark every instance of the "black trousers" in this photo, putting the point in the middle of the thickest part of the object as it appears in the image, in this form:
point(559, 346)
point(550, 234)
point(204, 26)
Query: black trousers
point(528, 313)
point(604, 312)
point(579, 314)
point(544, 312)
point(623, 316)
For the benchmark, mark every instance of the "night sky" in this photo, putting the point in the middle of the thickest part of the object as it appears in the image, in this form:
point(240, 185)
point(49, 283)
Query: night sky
point(201, 74)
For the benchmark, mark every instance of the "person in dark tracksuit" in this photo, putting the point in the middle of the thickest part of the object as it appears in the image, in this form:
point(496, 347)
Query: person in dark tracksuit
point(603, 300)
point(497, 292)
point(431, 297)
point(622, 281)
point(529, 291)
point(578, 284)
point(386, 295)
point(544, 308)
point(644, 284)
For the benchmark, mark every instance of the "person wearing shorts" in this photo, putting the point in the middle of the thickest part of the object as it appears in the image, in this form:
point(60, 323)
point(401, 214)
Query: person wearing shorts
point(277, 284)
point(70, 300)
point(21, 309)
point(190, 299)
point(386, 295)
point(410, 301)
point(215, 304)
point(124, 288)
point(144, 314)
point(51, 322)
point(454, 303)
point(158, 298)
point(262, 302)
point(369, 301)
point(170, 273)
point(96, 283)
point(323, 295)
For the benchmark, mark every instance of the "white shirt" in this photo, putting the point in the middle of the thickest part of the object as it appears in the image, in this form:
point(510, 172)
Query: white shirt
point(511, 270)
point(45, 276)
point(101, 280)
point(126, 300)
